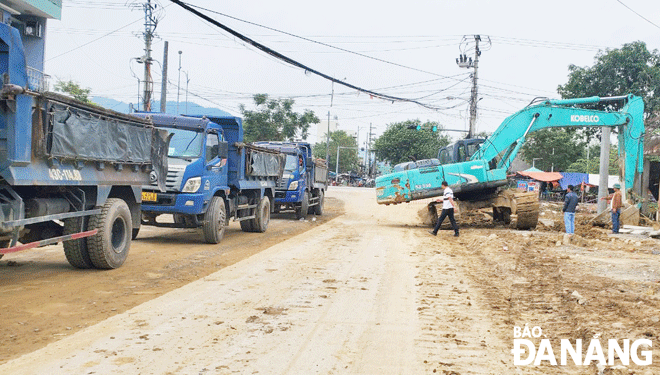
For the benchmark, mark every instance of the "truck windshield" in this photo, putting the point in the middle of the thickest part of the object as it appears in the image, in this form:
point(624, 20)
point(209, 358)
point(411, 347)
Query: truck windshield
point(291, 163)
point(185, 144)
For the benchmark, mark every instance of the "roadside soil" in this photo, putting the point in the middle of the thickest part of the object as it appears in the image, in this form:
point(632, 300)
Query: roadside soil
point(368, 292)
point(43, 299)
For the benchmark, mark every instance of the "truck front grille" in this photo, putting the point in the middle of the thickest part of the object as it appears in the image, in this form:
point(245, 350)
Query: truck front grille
point(174, 178)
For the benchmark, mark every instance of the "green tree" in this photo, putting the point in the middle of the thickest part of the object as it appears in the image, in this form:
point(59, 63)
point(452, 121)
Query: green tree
point(348, 157)
point(592, 164)
point(73, 89)
point(275, 120)
point(629, 69)
point(556, 147)
point(399, 143)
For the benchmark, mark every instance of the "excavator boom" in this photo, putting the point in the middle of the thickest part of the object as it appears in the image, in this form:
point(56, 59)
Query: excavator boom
point(480, 177)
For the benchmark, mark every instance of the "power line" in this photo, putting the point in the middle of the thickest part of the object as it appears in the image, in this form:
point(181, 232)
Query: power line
point(316, 42)
point(290, 61)
point(642, 17)
point(94, 40)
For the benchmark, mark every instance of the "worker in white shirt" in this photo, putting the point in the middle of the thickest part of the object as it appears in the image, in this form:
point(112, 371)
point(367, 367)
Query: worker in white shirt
point(448, 206)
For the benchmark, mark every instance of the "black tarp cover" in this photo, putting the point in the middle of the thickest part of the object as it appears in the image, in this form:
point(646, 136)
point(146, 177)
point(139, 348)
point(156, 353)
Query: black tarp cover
point(264, 164)
point(79, 134)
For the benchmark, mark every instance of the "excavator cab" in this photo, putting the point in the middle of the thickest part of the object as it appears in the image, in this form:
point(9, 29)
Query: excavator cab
point(459, 151)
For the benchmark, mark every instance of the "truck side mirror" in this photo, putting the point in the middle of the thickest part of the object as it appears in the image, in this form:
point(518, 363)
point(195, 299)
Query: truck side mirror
point(309, 163)
point(223, 150)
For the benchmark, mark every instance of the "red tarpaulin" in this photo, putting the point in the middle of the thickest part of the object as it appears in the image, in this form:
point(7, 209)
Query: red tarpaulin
point(542, 176)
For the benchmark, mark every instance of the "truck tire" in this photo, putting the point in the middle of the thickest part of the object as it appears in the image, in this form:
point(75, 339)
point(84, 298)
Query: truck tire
point(260, 222)
point(301, 211)
point(318, 209)
point(108, 249)
point(214, 221)
point(246, 225)
point(76, 251)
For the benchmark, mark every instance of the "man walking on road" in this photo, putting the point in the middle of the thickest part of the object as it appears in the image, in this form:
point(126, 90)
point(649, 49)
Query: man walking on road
point(616, 202)
point(570, 203)
point(447, 210)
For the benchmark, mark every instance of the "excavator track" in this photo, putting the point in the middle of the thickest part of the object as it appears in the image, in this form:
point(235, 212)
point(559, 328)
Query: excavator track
point(526, 209)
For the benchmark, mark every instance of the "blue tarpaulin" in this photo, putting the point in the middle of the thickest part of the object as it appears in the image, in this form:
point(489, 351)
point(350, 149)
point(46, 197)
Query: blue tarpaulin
point(571, 178)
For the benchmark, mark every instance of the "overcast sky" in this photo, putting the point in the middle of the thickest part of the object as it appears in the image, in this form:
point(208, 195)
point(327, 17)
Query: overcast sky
point(412, 44)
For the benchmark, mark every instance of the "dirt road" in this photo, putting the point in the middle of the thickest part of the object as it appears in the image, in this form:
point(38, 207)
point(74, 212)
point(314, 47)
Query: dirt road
point(43, 299)
point(370, 292)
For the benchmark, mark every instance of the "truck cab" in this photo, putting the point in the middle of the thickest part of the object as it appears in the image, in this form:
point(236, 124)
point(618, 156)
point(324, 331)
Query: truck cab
point(304, 181)
point(196, 157)
point(212, 177)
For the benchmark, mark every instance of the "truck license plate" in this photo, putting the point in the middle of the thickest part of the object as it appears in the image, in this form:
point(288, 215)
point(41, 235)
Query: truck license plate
point(149, 196)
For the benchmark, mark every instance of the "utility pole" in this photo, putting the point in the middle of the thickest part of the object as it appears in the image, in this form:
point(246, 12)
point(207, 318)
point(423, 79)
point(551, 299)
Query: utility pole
point(163, 85)
point(552, 169)
point(150, 23)
point(357, 149)
point(604, 170)
point(178, 85)
point(327, 143)
point(368, 154)
point(187, 82)
point(464, 61)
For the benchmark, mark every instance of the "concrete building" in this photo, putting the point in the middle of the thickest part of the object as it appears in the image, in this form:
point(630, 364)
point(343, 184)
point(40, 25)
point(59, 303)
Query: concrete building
point(29, 17)
point(322, 129)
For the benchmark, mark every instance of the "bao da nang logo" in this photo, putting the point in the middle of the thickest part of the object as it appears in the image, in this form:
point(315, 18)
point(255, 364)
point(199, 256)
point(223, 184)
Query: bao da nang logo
point(526, 352)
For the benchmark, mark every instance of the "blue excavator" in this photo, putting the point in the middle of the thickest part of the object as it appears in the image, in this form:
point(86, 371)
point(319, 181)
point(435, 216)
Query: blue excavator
point(476, 169)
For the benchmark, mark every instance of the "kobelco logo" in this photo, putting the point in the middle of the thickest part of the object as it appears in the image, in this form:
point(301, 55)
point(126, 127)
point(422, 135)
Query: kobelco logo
point(582, 118)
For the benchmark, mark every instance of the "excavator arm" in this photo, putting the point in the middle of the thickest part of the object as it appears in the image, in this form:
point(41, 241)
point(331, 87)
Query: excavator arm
point(482, 175)
point(512, 133)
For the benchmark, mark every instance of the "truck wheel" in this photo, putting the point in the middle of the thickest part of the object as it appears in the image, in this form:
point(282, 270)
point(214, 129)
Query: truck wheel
point(301, 211)
point(135, 233)
point(246, 225)
point(214, 221)
point(260, 223)
point(318, 209)
point(76, 251)
point(108, 249)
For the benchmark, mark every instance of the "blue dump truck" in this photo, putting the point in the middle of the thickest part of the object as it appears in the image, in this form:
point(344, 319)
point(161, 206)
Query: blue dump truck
point(213, 176)
point(304, 182)
point(69, 172)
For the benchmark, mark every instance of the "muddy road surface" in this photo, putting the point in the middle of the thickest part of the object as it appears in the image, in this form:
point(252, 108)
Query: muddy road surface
point(368, 291)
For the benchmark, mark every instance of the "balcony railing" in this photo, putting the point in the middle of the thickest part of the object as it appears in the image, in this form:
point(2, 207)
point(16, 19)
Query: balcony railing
point(37, 80)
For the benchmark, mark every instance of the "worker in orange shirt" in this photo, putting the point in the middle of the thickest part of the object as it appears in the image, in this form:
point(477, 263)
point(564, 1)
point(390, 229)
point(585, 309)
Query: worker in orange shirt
point(616, 202)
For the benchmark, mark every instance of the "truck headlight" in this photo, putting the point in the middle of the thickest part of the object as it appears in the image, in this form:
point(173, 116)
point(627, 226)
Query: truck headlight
point(293, 185)
point(192, 185)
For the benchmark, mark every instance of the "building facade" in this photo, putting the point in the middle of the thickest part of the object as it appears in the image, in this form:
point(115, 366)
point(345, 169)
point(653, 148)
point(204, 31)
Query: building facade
point(29, 17)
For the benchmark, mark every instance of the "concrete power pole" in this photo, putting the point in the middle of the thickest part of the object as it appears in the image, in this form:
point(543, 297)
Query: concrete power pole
point(473, 97)
point(368, 149)
point(150, 23)
point(464, 62)
point(163, 86)
point(604, 168)
point(327, 144)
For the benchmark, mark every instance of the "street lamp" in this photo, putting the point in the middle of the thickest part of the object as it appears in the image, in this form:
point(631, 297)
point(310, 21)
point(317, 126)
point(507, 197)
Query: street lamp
point(534, 161)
